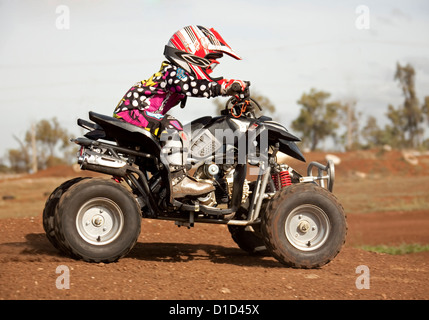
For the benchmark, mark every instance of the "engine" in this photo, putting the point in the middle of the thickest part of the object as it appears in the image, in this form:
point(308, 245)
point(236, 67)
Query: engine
point(222, 177)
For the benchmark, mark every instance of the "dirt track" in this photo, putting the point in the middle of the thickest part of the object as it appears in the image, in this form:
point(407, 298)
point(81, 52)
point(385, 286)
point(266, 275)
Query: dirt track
point(204, 263)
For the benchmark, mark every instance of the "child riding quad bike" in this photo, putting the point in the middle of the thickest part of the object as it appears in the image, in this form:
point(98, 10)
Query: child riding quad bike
point(150, 156)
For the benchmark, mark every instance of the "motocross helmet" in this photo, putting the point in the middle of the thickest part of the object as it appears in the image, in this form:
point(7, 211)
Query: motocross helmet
point(196, 50)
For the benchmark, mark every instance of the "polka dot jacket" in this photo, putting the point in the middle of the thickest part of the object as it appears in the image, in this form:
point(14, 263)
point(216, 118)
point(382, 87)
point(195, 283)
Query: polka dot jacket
point(165, 89)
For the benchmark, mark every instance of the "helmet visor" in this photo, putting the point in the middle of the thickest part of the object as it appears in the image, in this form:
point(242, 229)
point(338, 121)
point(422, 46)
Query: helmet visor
point(222, 46)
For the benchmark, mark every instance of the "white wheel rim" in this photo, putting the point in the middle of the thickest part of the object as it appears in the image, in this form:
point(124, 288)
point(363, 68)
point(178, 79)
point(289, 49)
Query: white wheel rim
point(99, 221)
point(307, 227)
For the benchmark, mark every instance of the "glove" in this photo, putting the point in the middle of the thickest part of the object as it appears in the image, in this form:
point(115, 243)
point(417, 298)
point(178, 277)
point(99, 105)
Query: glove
point(231, 87)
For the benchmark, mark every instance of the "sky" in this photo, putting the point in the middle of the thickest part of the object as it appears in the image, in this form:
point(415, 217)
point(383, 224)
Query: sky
point(63, 58)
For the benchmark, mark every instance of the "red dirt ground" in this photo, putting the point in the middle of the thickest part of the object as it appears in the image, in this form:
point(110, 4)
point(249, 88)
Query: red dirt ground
point(204, 263)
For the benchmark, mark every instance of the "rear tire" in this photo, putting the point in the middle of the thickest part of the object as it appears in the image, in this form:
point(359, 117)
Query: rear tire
point(51, 206)
point(304, 226)
point(97, 220)
point(249, 239)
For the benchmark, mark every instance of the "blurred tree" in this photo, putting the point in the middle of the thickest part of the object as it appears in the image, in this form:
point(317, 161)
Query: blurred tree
point(40, 145)
point(378, 137)
point(318, 119)
point(372, 133)
point(394, 132)
point(350, 118)
point(404, 129)
point(48, 136)
point(18, 161)
point(49, 133)
point(3, 168)
point(410, 110)
point(425, 108)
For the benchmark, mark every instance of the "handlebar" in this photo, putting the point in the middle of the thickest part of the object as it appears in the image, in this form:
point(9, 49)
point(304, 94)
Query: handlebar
point(237, 105)
point(236, 87)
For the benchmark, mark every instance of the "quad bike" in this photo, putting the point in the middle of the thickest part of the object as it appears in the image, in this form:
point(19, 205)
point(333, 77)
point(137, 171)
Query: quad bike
point(294, 218)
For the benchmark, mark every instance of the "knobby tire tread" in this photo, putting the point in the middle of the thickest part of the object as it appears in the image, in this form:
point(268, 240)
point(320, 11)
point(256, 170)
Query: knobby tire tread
point(65, 245)
point(269, 215)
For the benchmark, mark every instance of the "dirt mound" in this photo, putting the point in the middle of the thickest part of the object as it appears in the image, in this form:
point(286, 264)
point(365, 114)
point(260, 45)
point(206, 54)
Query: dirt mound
point(56, 171)
point(60, 171)
point(361, 163)
point(366, 163)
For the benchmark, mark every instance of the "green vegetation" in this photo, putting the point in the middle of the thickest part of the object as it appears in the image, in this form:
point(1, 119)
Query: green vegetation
point(404, 248)
point(39, 148)
point(320, 119)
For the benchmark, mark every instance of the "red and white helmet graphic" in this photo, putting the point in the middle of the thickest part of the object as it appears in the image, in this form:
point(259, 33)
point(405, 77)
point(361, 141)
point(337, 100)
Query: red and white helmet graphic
point(196, 48)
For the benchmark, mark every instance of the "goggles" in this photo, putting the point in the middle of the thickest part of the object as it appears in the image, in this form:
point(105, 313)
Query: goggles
point(213, 62)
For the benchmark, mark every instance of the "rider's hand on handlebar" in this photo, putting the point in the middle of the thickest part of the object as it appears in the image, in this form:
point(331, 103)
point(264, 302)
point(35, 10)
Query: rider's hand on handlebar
point(237, 88)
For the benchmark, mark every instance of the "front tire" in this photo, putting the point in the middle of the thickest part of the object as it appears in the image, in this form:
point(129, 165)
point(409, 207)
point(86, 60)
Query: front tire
point(304, 226)
point(97, 220)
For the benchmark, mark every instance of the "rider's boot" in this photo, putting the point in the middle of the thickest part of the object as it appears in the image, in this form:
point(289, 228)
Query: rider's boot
point(184, 185)
point(174, 154)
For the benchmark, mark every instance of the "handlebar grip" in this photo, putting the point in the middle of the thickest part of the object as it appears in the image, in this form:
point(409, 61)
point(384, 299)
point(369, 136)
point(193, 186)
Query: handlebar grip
point(236, 87)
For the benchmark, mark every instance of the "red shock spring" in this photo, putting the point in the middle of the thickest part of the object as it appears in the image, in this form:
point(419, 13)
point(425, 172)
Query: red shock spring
point(285, 178)
point(275, 178)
